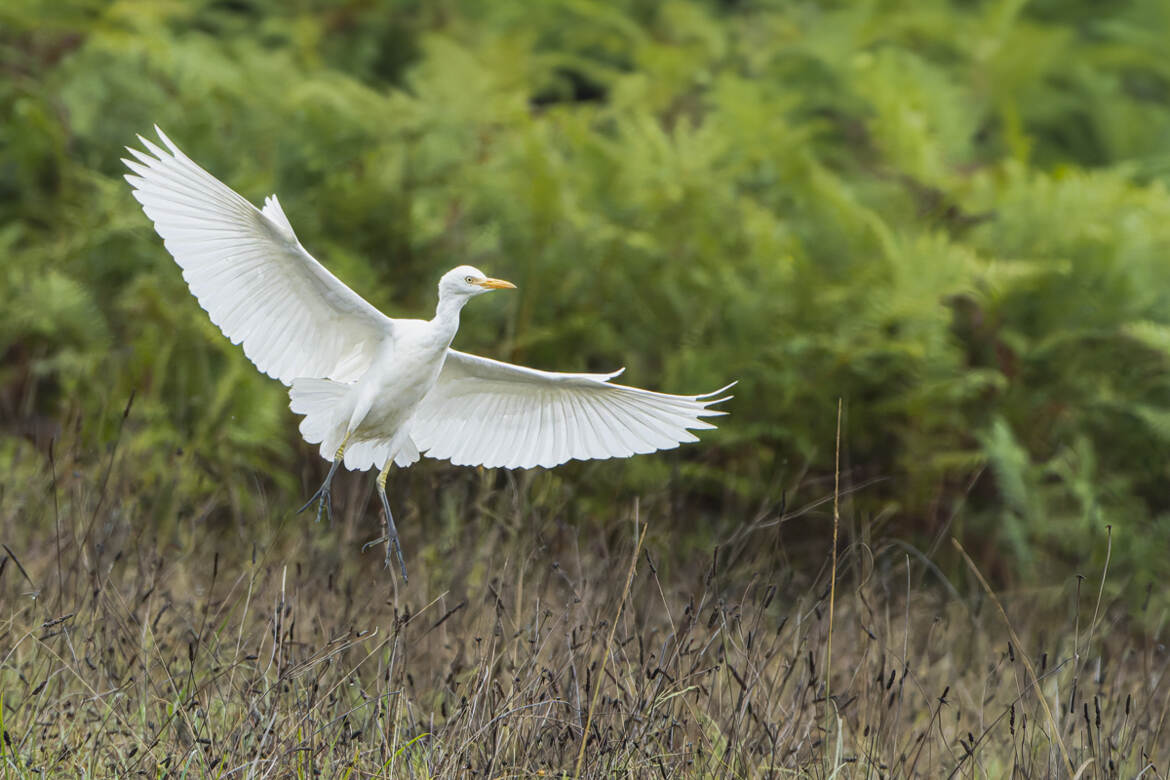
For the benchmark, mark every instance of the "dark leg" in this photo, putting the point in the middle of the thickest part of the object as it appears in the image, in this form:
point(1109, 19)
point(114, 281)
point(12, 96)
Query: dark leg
point(391, 530)
point(323, 494)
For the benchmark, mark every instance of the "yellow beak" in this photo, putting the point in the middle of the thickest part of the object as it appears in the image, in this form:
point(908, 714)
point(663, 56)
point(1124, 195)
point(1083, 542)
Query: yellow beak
point(496, 284)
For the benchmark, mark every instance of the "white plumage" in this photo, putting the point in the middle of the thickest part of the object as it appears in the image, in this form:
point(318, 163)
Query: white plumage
point(484, 412)
point(375, 390)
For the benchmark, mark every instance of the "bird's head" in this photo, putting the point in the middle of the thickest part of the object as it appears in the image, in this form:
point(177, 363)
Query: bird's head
point(468, 281)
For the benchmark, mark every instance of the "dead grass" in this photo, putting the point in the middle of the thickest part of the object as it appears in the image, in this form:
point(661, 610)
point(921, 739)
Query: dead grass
point(276, 649)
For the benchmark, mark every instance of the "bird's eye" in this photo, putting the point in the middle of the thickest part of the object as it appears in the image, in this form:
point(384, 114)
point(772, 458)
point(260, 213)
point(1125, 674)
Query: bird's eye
point(469, 279)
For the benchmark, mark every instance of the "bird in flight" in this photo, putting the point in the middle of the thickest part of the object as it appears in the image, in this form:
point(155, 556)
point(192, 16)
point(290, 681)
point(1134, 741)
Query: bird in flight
point(375, 390)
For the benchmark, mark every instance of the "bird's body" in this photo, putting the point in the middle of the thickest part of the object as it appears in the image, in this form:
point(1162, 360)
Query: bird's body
point(388, 394)
point(374, 390)
point(375, 411)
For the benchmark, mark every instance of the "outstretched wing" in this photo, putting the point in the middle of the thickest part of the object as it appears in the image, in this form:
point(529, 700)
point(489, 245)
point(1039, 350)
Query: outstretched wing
point(251, 274)
point(484, 412)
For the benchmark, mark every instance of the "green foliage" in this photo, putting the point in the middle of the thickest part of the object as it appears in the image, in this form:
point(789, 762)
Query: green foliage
point(952, 215)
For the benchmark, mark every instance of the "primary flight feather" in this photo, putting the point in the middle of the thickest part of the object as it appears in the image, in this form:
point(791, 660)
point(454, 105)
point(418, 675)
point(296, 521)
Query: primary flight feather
point(374, 390)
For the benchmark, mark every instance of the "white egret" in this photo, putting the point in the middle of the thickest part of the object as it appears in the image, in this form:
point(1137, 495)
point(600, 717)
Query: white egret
point(373, 390)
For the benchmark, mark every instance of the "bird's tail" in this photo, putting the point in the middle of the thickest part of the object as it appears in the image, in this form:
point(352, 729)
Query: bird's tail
point(323, 403)
point(373, 453)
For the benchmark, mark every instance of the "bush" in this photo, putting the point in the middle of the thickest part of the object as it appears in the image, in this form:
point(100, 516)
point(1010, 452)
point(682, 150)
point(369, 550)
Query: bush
point(952, 216)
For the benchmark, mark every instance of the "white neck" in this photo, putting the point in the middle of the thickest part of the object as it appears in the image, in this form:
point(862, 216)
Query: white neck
point(446, 318)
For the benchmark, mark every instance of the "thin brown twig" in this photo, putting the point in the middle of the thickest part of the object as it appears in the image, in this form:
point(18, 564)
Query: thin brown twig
point(605, 653)
point(833, 571)
point(1104, 573)
point(1023, 655)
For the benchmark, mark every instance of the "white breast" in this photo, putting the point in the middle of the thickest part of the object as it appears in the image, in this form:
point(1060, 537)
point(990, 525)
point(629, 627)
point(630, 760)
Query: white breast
point(400, 378)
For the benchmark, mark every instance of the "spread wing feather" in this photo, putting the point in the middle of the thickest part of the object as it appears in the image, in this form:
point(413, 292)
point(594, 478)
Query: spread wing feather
point(485, 412)
point(250, 273)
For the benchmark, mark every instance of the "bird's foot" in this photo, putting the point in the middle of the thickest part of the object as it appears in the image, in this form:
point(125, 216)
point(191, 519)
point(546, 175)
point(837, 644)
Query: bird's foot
point(391, 537)
point(391, 543)
point(324, 499)
point(398, 550)
point(324, 495)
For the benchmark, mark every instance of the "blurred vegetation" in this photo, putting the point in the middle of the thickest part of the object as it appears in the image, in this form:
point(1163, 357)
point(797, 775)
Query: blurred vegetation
point(954, 216)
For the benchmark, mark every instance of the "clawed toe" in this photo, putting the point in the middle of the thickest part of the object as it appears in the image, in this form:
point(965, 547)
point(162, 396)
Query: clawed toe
point(391, 538)
point(324, 494)
point(326, 504)
point(324, 499)
point(401, 563)
point(372, 542)
point(391, 544)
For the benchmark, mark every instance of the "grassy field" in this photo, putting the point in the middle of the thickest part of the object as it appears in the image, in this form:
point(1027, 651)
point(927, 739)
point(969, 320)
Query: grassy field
point(525, 645)
point(954, 216)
